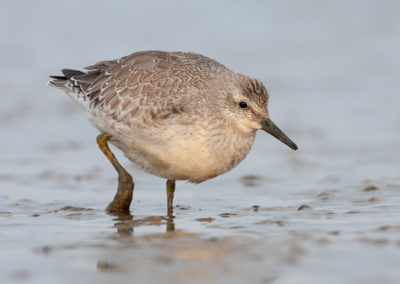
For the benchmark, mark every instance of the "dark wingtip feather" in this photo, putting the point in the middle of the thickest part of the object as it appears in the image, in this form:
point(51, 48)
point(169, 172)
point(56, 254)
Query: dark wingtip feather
point(69, 73)
point(58, 77)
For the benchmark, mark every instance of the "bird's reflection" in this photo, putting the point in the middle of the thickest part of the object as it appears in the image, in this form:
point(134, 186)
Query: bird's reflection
point(125, 223)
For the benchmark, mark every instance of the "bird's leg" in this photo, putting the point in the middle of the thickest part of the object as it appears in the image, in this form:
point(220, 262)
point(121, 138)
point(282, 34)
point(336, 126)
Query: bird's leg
point(170, 224)
point(123, 197)
point(170, 196)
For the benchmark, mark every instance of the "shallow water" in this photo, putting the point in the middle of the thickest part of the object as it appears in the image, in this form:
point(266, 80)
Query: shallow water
point(328, 212)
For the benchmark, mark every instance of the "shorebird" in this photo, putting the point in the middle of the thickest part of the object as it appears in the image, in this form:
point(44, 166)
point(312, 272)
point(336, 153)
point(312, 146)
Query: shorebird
point(179, 116)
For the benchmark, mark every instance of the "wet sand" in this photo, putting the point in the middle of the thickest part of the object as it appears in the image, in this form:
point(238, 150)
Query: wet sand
point(286, 237)
point(328, 213)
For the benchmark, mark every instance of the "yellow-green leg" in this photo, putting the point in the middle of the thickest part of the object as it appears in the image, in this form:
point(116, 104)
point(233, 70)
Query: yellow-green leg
point(123, 197)
point(170, 196)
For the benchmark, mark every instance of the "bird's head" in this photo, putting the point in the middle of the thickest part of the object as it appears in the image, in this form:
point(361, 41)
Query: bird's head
point(250, 103)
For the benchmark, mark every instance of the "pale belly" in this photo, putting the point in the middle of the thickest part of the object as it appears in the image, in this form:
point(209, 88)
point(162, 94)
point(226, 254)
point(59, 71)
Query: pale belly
point(195, 158)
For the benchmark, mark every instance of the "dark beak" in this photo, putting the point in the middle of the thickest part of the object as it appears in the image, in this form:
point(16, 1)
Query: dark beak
point(272, 129)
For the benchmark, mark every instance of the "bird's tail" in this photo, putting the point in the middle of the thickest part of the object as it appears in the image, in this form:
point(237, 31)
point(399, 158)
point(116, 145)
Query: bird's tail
point(61, 82)
point(67, 84)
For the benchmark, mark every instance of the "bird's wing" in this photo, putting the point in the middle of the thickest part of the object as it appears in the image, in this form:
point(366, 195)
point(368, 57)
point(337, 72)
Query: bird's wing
point(150, 85)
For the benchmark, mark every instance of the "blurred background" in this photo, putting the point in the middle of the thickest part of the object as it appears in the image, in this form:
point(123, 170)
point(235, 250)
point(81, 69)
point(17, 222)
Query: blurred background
point(332, 70)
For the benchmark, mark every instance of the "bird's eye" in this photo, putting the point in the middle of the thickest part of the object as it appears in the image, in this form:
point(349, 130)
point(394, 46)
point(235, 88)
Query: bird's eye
point(243, 104)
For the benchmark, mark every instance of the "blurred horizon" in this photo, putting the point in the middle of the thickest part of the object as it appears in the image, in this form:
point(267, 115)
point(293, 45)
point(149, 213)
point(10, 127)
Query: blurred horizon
point(331, 69)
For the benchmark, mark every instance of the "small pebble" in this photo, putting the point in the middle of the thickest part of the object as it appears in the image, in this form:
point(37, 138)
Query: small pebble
point(370, 188)
point(227, 214)
point(207, 219)
point(105, 265)
point(304, 206)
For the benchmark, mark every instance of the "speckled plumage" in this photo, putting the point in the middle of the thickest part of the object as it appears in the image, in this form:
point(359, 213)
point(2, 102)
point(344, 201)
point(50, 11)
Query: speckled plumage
point(174, 114)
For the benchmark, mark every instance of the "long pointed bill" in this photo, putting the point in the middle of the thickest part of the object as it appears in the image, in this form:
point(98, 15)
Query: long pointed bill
point(271, 128)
